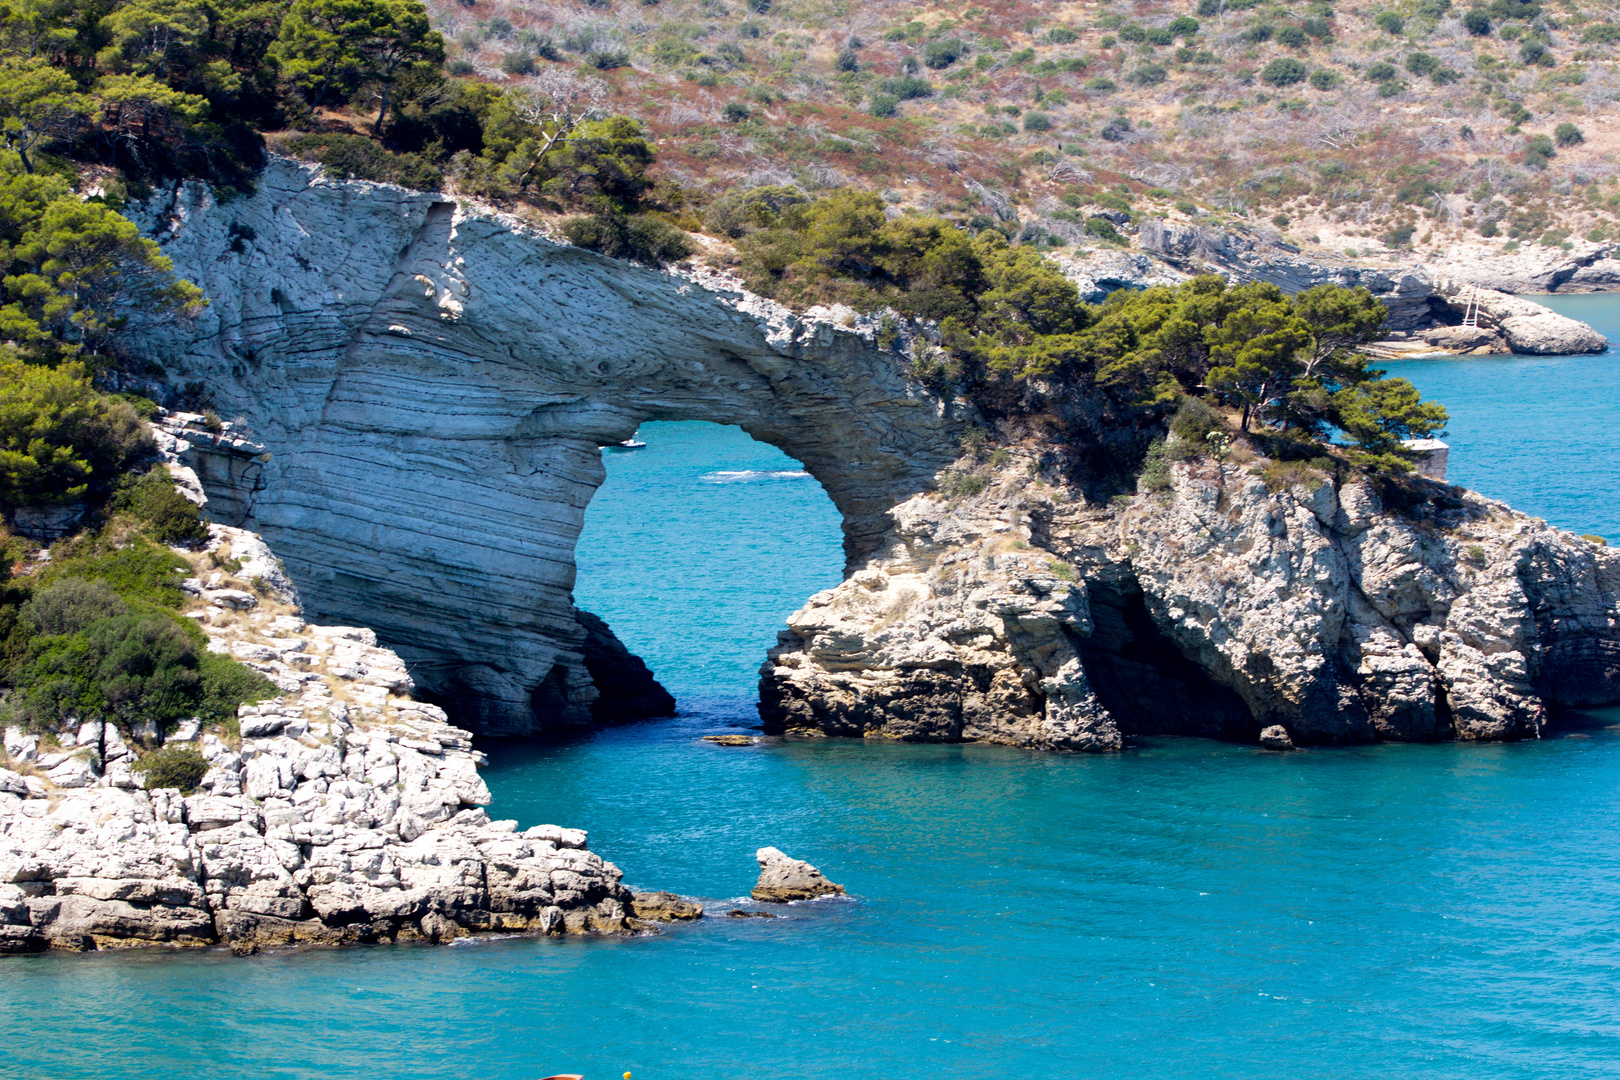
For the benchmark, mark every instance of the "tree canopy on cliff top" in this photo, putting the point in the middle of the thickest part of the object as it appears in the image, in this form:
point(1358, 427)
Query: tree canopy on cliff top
point(1008, 318)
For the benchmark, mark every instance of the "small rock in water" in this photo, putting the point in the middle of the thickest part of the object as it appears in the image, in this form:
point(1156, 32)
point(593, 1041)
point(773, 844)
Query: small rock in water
point(782, 879)
point(731, 740)
point(1276, 737)
point(664, 907)
point(739, 913)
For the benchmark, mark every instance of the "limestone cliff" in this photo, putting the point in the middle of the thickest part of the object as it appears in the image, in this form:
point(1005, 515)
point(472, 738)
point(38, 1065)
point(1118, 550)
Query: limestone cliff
point(426, 386)
point(1025, 615)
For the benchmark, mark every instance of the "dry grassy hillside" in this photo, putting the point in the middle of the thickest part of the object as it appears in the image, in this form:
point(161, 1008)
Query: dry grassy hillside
point(1348, 127)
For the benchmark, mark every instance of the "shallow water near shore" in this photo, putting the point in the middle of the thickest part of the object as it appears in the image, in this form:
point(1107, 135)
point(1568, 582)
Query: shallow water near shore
point(1184, 909)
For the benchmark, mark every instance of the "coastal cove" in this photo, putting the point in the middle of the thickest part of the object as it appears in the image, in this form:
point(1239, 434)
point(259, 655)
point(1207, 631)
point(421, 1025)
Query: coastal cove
point(1184, 909)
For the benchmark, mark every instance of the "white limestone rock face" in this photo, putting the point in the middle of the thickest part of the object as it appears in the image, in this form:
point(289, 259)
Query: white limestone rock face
point(423, 388)
point(347, 812)
point(1023, 615)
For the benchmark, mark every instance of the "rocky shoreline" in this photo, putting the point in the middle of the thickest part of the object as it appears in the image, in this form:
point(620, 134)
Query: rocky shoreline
point(1237, 598)
point(342, 811)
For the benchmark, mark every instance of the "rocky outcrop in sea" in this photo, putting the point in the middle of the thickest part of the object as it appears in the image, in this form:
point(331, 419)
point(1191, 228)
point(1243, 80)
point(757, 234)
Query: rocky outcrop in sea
point(1221, 606)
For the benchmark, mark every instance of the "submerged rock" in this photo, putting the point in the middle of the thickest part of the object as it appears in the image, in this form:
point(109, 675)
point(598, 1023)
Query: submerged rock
point(782, 879)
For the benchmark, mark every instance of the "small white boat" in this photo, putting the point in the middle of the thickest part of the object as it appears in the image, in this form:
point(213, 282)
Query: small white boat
point(626, 445)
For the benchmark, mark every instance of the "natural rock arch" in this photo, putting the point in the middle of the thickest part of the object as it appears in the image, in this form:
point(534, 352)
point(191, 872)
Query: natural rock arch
point(432, 385)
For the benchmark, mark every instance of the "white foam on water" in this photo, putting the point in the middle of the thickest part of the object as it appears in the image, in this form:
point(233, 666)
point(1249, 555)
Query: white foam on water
point(744, 476)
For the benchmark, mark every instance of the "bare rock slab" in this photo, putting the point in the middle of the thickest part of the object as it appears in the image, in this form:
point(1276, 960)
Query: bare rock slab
point(783, 878)
point(664, 907)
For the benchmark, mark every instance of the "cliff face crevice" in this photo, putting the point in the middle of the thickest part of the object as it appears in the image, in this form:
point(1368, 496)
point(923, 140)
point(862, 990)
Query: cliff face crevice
point(429, 387)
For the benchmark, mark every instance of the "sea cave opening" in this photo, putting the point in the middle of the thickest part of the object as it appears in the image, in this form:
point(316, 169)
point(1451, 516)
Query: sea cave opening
point(695, 549)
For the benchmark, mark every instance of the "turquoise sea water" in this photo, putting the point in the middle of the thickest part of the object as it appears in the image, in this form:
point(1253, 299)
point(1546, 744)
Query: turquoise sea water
point(1184, 909)
point(1540, 432)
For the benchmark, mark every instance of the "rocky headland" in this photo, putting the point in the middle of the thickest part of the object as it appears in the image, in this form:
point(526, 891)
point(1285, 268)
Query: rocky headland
point(426, 385)
point(1235, 599)
point(341, 811)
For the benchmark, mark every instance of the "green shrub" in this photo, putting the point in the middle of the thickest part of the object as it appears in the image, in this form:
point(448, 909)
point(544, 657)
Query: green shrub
point(1103, 229)
point(1156, 467)
point(1037, 121)
point(1292, 36)
point(1282, 475)
point(942, 54)
point(169, 517)
point(1317, 27)
point(1421, 63)
point(1061, 35)
point(1603, 33)
point(1183, 26)
point(906, 87)
point(1259, 32)
point(1538, 151)
point(136, 569)
point(1284, 71)
point(1532, 52)
point(739, 212)
point(1133, 33)
point(735, 112)
point(1324, 79)
point(1101, 85)
point(1593, 538)
point(1381, 72)
point(1186, 207)
point(883, 106)
point(1161, 36)
point(1477, 21)
point(637, 237)
point(517, 64)
point(1400, 236)
point(1567, 134)
point(1389, 22)
point(848, 60)
point(59, 438)
point(960, 483)
point(1149, 75)
point(1195, 420)
point(69, 605)
point(356, 157)
point(180, 767)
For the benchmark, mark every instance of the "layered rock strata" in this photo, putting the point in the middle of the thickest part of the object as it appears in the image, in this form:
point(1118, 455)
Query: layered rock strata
point(426, 386)
point(343, 812)
point(1025, 615)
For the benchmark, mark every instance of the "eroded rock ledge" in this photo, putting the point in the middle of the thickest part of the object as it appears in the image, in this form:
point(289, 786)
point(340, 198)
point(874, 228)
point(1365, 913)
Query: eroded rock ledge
point(1026, 616)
